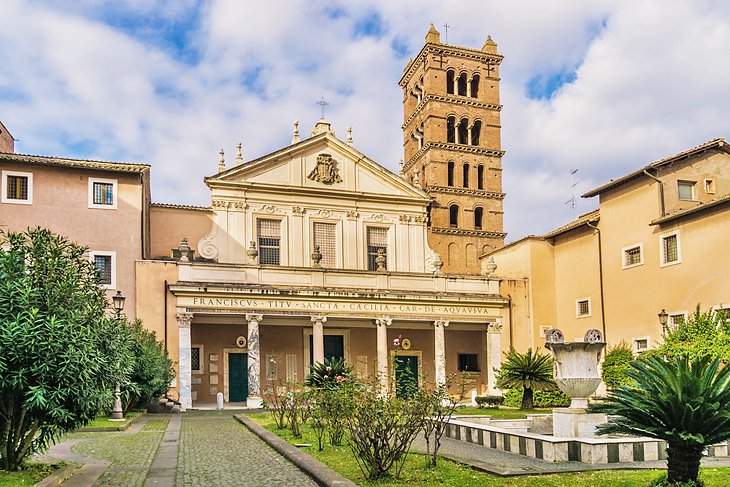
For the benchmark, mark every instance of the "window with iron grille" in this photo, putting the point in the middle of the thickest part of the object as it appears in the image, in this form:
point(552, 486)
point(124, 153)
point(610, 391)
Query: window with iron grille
point(632, 256)
point(377, 239)
point(103, 193)
point(670, 249)
point(583, 307)
point(17, 188)
point(195, 359)
point(325, 235)
point(468, 362)
point(103, 265)
point(269, 236)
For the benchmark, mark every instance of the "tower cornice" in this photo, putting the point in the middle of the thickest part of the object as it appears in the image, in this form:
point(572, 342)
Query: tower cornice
point(472, 233)
point(466, 191)
point(445, 49)
point(464, 149)
point(456, 100)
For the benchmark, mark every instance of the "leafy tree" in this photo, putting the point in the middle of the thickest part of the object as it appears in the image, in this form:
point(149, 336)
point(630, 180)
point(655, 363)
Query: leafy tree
point(702, 334)
point(616, 364)
point(57, 355)
point(151, 368)
point(683, 401)
point(529, 371)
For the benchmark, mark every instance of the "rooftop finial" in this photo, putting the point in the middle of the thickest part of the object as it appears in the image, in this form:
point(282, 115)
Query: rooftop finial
point(400, 165)
point(239, 154)
point(349, 135)
point(323, 103)
point(221, 162)
point(433, 36)
point(295, 138)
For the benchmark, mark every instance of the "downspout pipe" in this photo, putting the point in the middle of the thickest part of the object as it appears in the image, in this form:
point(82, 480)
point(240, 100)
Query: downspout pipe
point(600, 279)
point(661, 191)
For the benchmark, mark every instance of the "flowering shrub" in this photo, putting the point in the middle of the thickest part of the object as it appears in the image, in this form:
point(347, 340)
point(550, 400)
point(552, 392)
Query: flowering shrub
point(332, 372)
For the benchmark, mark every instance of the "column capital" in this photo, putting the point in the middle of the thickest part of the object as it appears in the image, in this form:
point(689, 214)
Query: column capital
point(184, 319)
point(442, 323)
point(495, 326)
point(384, 321)
point(320, 318)
point(254, 317)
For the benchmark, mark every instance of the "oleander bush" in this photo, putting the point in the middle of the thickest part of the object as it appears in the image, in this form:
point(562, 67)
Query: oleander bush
point(616, 364)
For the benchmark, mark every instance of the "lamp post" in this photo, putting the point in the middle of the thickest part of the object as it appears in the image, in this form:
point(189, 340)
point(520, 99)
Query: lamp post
point(663, 318)
point(117, 412)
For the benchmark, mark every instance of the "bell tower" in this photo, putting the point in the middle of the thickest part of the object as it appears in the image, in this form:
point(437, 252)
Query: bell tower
point(452, 147)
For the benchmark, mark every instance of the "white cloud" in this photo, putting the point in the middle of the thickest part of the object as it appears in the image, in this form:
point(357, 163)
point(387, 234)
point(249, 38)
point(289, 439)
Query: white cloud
point(170, 82)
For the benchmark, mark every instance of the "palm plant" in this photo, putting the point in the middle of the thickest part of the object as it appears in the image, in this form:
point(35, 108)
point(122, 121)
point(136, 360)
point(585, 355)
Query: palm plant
point(683, 401)
point(529, 371)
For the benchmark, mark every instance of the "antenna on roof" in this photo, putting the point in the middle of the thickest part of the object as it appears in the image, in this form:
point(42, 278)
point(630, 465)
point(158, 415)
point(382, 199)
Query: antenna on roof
point(573, 201)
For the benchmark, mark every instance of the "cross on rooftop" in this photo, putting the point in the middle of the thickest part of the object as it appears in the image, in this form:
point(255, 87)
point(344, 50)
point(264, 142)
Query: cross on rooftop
point(323, 104)
point(446, 32)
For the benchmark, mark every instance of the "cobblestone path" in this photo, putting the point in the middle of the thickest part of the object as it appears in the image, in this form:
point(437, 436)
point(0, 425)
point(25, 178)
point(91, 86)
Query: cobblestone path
point(216, 450)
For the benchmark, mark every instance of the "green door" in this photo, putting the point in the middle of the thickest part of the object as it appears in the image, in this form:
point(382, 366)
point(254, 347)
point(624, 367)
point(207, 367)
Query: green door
point(406, 375)
point(237, 377)
point(334, 347)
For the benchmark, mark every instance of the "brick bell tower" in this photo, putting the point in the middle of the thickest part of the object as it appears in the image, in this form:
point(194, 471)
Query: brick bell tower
point(452, 148)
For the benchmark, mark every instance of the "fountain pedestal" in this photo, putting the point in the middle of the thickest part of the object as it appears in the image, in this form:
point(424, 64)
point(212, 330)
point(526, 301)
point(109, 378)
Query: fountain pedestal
point(576, 373)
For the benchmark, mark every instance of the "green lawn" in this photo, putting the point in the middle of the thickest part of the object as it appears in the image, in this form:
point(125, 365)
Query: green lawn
point(500, 413)
point(452, 473)
point(106, 422)
point(29, 475)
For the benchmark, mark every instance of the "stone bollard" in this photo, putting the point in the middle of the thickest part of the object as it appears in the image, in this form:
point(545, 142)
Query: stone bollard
point(474, 399)
point(219, 401)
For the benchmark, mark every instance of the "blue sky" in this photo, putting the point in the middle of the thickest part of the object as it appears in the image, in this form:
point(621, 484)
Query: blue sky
point(601, 86)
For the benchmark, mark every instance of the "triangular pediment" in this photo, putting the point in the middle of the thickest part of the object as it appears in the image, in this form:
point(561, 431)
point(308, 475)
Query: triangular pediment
point(320, 163)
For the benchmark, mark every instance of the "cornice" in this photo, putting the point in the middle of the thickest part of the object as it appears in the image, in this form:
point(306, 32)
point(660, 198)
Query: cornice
point(471, 233)
point(470, 149)
point(444, 49)
point(474, 192)
point(457, 100)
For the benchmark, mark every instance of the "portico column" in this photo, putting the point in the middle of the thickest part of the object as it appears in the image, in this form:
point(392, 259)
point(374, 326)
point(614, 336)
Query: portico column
point(494, 354)
point(382, 344)
point(254, 362)
point(185, 372)
point(318, 338)
point(439, 350)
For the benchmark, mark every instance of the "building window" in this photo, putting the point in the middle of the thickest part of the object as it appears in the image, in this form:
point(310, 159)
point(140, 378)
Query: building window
point(196, 361)
point(676, 319)
point(451, 130)
point(462, 84)
point(475, 86)
point(475, 132)
point(17, 187)
point(377, 240)
point(102, 193)
point(325, 235)
point(269, 237)
point(105, 263)
point(464, 131)
point(480, 177)
point(450, 81)
point(272, 367)
point(454, 215)
point(670, 249)
point(468, 362)
point(450, 179)
point(632, 256)
point(478, 216)
point(710, 186)
point(640, 344)
point(466, 175)
point(686, 190)
point(583, 308)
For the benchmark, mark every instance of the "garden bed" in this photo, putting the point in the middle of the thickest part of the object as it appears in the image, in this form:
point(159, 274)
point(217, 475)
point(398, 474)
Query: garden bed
point(103, 423)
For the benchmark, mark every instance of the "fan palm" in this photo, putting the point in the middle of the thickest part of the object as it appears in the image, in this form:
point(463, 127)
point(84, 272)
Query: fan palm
point(529, 371)
point(685, 402)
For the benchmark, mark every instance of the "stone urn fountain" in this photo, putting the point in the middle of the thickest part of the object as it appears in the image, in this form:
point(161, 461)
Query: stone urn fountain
point(576, 373)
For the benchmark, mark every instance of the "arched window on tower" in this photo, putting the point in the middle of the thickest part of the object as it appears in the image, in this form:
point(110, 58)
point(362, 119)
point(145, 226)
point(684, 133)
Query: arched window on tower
point(454, 215)
point(475, 131)
point(466, 175)
point(464, 131)
point(450, 81)
point(462, 84)
point(478, 216)
point(450, 180)
point(480, 177)
point(475, 86)
point(451, 129)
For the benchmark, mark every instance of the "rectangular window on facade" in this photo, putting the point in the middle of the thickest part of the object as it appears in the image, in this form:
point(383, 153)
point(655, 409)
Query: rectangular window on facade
point(709, 186)
point(272, 367)
point(468, 362)
point(582, 308)
point(195, 361)
point(675, 320)
point(377, 241)
point(291, 367)
point(686, 190)
point(632, 256)
point(269, 236)
point(17, 187)
point(670, 249)
point(105, 263)
point(640, 344)
point(325, 235)
point(103, 193)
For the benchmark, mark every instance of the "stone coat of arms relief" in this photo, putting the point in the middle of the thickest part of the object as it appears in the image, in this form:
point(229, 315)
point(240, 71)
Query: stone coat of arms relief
point(326, 170)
